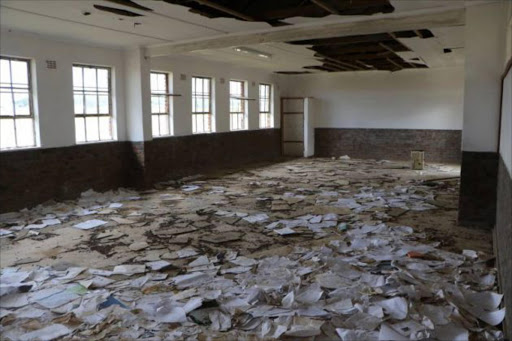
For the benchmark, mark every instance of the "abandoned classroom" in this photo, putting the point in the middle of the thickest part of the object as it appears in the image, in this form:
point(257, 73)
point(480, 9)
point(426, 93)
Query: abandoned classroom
point(256, 170)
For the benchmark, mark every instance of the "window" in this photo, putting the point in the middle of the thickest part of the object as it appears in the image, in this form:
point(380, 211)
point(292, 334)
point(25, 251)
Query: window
point(161, 121)
point(201, 105)
point(93, 103)
point(265, 106)
point(17, 127)
point(237, 103)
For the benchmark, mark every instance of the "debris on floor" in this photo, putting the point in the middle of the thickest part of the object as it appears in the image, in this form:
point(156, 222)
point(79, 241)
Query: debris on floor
point(316, 249)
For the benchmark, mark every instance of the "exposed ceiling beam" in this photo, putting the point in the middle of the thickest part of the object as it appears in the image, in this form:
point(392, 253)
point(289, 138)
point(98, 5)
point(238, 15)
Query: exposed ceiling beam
point(322, 4)
point(226, 10)
point(400, 67)
point(342, 63)
point(372, 25)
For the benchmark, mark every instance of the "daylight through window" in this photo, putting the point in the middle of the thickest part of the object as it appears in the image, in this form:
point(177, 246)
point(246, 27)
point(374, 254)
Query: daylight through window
point(161, 121)
point(201, 105)
point(237, 101)
point(93, 103)
point(265, 106)
point(17, 129)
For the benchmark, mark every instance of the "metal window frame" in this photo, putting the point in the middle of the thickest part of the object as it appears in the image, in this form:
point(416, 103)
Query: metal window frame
point(237, 114)
point(167, 104)
point(268, 114)
point(97, 114)
point(205, 116)
point(11, 89)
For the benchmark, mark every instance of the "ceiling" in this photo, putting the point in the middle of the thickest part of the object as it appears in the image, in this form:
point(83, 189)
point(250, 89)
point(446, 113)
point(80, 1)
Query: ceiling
point(162, 22)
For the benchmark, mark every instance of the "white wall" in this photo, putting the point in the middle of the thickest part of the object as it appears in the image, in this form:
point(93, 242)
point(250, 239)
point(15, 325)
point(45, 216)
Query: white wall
point(506, 123)
point(54, 88)
point(408, 99)
point(182, 106)
point(485, 50)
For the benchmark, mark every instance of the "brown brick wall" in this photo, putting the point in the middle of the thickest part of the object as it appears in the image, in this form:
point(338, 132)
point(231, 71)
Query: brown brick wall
point(390, 144)
point(30, 177)
point(173, 157)
point(504, 239)
point(477, 195)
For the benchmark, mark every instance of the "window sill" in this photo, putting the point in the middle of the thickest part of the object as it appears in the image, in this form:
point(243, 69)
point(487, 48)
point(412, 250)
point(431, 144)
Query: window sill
point(162, 136)
point(94, 142)
point(17, 149)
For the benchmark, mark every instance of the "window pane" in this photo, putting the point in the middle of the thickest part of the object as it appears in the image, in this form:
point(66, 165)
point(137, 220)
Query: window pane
point(6, 108)
point(25, 132)
point(164, 124)
point(21, 102)
point(19, 71)
point(154, 104)
point(5, 74)
point(102, 80)
point(77, 78)
point(91, 125)
point(105, 128)
point(90, 78)
point(154, 125)
point(103, 103)
point(7, 139)
point(80, 129)
point(200, 124)
point(91, 104)
point(79, 104)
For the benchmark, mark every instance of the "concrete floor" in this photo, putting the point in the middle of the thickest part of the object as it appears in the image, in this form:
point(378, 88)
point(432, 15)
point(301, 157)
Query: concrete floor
point(241, 213)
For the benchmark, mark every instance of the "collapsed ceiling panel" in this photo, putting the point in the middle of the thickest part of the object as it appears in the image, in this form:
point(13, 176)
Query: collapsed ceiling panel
point(381, 51)
point(273, 12)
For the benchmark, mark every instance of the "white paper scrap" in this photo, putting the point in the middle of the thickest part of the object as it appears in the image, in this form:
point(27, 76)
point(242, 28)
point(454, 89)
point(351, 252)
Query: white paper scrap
point(90, 224)
point(48, 333)
point(396, 307)
point(129, 270)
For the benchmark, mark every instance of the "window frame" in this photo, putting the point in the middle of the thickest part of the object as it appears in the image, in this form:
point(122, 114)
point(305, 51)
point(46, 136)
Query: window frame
point(209, 113)
point(32, 116)
point(168, 104)
point(98, 114)
point(243, 104)
point(268, 113)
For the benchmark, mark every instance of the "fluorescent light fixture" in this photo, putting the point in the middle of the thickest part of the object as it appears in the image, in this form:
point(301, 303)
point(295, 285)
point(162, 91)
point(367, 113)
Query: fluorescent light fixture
point(256, 53)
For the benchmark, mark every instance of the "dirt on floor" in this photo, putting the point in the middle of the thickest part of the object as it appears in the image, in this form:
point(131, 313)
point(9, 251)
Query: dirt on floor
point(280, 250)
point(188, 217)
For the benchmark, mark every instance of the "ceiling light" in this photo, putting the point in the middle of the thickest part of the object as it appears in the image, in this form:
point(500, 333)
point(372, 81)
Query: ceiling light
point(256, 53)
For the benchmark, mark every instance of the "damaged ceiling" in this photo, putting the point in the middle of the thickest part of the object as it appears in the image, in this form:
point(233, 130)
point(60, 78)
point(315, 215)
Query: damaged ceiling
point(364, 52)
point(273, 12)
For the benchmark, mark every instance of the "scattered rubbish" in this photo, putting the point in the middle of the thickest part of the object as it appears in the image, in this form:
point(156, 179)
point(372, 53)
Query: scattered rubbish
point(306, 250)
point(90, 224)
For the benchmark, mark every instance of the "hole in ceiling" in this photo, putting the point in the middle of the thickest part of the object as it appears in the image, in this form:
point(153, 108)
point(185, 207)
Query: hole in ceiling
point(272, 11)
point(363, 52)
point(117, 11)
